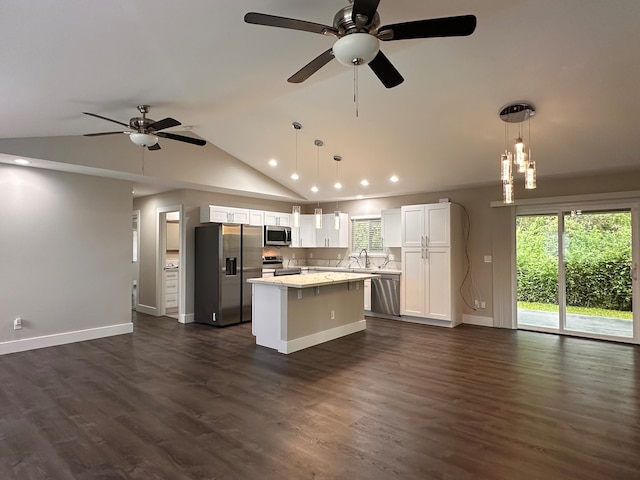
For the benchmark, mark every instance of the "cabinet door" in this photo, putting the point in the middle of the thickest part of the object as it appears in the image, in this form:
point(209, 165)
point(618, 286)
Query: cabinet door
point(304, 236)
point(412, 226)
point(438, 288)
point(239, 215)
point(256, 218)
point(437, 218)
point(214, 213)
point(271, 218)
point(284, 219)
point(391, 227)
point(412, 282)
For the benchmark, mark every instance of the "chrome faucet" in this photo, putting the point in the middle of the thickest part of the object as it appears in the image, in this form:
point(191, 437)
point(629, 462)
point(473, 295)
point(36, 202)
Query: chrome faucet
point(366, 257)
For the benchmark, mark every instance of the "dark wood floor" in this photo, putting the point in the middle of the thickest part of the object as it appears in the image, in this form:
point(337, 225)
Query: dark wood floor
point(399, 400)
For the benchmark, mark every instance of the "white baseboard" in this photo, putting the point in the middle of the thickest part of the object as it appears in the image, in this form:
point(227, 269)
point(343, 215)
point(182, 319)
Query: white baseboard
point(147, 309)
point(24, 344)
point(321, 337)
point(187, 318)
point(477, 320)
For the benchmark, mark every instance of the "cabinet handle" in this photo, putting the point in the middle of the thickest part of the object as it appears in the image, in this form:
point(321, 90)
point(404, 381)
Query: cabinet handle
point(426, 243)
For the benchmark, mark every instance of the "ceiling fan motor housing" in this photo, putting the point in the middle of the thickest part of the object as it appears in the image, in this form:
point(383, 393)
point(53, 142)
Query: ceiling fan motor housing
point(343, 22)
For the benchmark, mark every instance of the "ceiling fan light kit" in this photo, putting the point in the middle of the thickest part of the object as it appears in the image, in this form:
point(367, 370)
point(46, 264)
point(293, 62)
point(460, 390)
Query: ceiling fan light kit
point(356, 49)
point(143, 139)
point(520, 159)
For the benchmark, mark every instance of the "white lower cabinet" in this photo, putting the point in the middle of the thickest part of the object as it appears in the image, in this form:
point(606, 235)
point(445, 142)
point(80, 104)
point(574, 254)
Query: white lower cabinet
point(367, 295)
point(170, 289)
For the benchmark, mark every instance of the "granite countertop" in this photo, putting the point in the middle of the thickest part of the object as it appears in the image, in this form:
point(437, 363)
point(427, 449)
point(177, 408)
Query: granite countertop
point(313, 279)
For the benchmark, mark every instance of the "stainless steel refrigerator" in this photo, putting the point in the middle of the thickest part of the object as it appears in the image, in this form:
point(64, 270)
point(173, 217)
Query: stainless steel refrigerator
point(225, 257)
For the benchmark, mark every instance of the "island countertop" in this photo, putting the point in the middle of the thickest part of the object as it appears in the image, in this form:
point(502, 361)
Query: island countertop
point(318, 279)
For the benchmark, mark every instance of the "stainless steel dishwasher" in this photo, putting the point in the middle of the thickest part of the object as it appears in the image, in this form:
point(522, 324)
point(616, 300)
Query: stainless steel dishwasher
point(385, 294)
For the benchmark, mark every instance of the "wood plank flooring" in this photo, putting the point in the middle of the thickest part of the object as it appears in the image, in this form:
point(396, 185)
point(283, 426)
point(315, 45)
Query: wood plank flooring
point(398, 401)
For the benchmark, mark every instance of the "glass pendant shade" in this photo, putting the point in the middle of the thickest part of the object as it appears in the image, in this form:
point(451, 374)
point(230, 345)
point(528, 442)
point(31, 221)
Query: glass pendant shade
point(336, 220)
point(505, 166)
point(521, 156)
point(295, 212)
point(530, 176)
point(317, 218)
point(507, 192)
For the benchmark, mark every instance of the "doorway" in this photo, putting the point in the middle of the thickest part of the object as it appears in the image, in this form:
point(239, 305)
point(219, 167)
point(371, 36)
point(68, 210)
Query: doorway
point(171, 254)
point(576, 271)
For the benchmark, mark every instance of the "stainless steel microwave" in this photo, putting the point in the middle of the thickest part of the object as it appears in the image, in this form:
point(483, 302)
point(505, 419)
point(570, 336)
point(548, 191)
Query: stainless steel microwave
point(278, 236)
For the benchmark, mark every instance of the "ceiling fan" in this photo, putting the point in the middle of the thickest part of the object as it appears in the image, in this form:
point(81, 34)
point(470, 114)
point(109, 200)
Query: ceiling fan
point(357, 28)
point(145, 132)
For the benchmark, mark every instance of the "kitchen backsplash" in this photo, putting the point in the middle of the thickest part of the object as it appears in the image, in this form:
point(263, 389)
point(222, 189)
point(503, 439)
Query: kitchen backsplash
point(329, 258)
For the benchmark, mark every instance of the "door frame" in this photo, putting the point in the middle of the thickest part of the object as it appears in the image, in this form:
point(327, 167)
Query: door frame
point(559, 208)
point(161, 242)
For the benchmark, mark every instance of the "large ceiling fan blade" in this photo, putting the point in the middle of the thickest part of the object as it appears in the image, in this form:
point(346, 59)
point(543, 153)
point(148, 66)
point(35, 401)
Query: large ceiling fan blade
point(107, 119)
point(155, 146)
point(290, 23)
point(312, 67)
point(102, 133)
point(435, 27)
point(385, 71)
point(365, 8)
point(164, 123)
point(181, 138)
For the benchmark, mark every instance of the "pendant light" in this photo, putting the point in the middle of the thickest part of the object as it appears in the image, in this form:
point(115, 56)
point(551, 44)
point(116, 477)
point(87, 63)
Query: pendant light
point(337, 186)
point(318, 211)
point(520, 159)
point(294, 176)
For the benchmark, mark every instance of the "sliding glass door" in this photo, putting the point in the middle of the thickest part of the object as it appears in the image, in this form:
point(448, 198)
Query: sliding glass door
point(576, 271)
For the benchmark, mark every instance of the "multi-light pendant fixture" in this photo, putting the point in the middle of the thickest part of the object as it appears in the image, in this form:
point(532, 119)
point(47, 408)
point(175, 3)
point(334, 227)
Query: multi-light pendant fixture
point(318, 211)
point(520, 158)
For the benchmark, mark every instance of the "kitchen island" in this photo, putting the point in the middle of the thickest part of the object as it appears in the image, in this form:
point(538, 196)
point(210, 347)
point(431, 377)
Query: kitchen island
point(293, 312)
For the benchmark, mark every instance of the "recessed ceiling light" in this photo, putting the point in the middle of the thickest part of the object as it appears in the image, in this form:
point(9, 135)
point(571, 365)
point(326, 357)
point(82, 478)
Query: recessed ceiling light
point(273, 163)
point(360, 197)
point(393, 179)
point(295, 176)
point(364, 182)
point(337, 186)
point(314, 189)
point(22, 161)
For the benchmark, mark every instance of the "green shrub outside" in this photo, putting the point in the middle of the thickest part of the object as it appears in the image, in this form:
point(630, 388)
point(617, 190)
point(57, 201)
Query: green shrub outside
point(597, 255)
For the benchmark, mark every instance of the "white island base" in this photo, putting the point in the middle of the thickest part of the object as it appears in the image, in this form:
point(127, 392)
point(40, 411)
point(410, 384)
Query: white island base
point(294, 312)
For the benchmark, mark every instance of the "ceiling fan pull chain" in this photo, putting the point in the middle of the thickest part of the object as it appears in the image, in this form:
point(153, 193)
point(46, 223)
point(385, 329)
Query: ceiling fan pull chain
point(355, 87)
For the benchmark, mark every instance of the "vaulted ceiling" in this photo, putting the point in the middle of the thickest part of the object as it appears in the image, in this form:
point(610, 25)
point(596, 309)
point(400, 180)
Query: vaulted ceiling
point(577, 61)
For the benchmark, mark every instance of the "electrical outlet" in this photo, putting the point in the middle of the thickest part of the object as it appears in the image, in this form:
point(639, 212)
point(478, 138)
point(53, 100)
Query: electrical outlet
point(333, 314)
point(339, 256)
point(310, 255)
point(483, 304)
point(392, 257)
point(293, 256)
point(476, 303)
point(17, 323)
point(299, 294)
point(487, 259)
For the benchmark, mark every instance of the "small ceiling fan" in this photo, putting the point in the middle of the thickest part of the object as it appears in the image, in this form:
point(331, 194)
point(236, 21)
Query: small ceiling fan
point(357, 28)
point(145, 132)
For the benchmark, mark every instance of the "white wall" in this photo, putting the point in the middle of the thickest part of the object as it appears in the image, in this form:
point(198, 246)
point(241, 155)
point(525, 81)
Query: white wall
point(66, 257)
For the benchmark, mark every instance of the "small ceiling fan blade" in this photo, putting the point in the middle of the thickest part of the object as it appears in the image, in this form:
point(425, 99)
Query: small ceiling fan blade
point(155, 146)
point(290, 23)
point(312, 67)
point(385, 71)
point(435, 27)
point(102, 133)
point(181, 138)
point(164, 123)
point(366, 8)
point(107, 119)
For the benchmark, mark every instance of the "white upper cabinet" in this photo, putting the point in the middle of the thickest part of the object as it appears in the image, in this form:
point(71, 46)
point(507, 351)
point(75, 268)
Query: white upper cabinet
point(426, 226)
point(329, 236)
point(219, 214)
point(391, 227)
point(307, 236)
point(277, 219)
